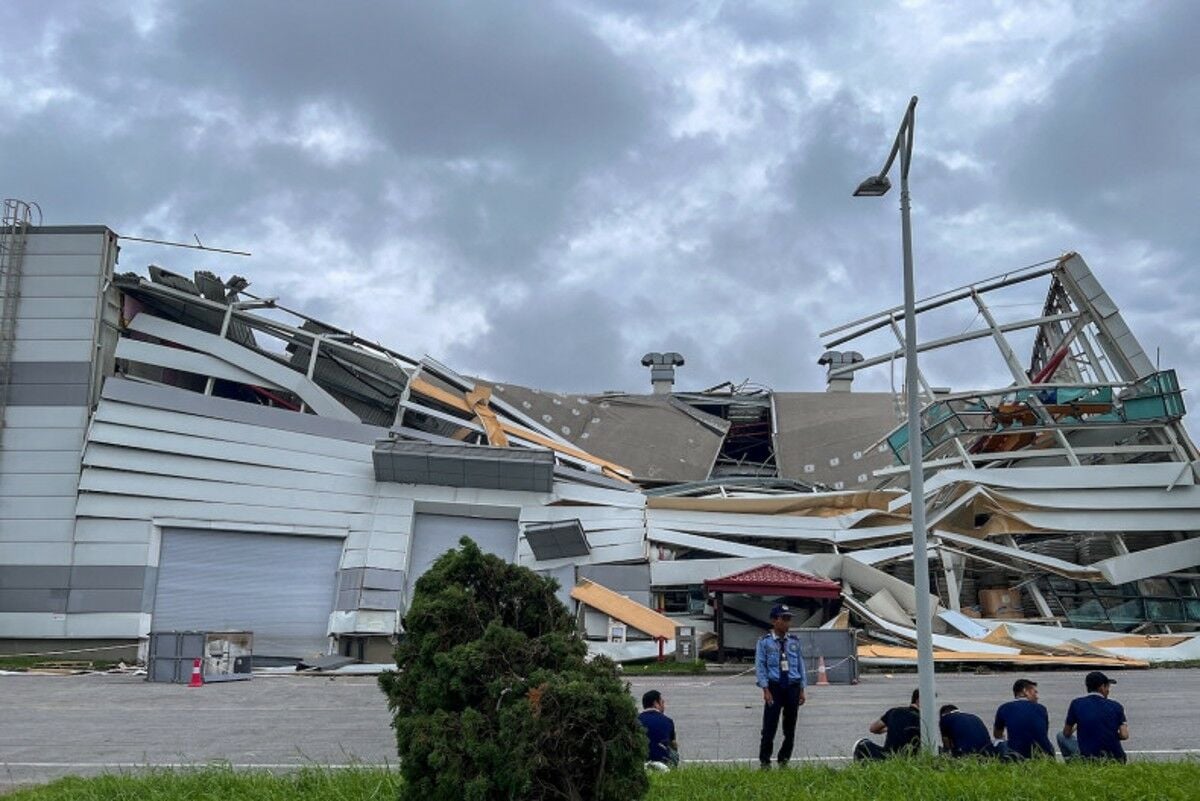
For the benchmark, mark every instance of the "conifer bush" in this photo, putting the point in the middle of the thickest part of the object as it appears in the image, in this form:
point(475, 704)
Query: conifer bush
point(494, 700)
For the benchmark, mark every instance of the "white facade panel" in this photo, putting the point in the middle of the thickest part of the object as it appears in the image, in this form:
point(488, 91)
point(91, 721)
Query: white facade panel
point(35, 625)
point(37, 485)
point(61, 286)
point(56, 329)
point(119, 625)
point(52, 530)
point(92, 244)
point(115, 458)
point(55, 308)
point(281, 587)
point(231, 491)
point(216, 429)
point(111, 553)
point(14, 462)
point(37, 417)
point(35, 553)
point(129, 531)
point(59, 350)
point(224, 451)
point(434, 535)
point(79, 265)
point(130, 507)
point(41, 508)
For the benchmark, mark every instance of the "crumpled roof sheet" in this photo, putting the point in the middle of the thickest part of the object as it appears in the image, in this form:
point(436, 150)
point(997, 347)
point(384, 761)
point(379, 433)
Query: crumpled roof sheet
point(827, 436)
point(655, 436)
point(623, 608)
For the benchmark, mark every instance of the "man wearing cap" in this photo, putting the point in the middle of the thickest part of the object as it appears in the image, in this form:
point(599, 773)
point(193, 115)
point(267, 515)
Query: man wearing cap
point(779, 670)
point(1100, 721)
point(1024, 722)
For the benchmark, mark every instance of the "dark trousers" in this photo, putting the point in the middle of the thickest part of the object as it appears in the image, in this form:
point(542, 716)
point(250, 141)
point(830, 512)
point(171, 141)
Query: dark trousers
point(787, 704)
point(866, 749)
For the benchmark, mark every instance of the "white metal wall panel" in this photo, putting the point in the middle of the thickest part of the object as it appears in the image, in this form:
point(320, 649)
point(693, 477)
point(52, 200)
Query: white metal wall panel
point(281, 587)
point(433, 535)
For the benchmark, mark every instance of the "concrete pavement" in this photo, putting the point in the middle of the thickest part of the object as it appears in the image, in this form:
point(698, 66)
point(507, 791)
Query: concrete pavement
point(52, 726)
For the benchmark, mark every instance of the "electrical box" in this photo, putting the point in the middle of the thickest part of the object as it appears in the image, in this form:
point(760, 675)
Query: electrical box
point(223, 655)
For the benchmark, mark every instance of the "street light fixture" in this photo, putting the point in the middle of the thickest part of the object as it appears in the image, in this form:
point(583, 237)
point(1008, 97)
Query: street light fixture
point(877, 186)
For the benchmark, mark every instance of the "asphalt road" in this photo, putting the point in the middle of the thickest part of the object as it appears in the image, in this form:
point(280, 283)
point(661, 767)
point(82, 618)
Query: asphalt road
point(53, 726)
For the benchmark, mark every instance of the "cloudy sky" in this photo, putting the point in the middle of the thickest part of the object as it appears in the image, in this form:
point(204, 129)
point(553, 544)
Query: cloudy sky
point(540, 193)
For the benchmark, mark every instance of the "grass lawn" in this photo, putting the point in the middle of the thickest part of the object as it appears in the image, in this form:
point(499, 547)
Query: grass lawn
point(903, 780)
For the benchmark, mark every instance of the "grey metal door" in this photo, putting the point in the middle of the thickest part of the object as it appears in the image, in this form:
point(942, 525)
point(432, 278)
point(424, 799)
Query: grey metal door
point(433, 535)
point(280, 587)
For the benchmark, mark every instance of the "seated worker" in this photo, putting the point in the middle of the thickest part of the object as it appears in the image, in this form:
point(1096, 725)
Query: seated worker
point(963, 734)
point(902, 724)
point(1100, 720)
point(660, 730)
point(1024, 722)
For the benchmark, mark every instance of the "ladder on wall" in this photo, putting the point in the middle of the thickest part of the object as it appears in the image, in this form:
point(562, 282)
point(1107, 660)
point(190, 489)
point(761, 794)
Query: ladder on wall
point(14, 225)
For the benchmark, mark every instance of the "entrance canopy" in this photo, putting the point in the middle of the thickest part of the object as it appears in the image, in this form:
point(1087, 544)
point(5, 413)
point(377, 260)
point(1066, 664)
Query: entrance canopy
point(773, 580)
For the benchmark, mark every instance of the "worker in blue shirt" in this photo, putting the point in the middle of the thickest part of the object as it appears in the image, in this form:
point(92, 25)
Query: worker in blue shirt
point(1100, 721)
point(779, 671)
point(1024, 722)
point(964, 734)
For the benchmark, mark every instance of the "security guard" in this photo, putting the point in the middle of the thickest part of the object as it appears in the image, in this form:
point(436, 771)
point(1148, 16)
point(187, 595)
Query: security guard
point(779, 669)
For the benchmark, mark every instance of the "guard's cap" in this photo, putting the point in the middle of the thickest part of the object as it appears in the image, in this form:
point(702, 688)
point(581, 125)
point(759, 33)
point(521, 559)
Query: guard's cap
point(1095, 680)
point(780, 610)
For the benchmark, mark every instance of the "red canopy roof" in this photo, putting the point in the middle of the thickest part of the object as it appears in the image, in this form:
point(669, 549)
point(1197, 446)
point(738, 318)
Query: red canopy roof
point(775, 580)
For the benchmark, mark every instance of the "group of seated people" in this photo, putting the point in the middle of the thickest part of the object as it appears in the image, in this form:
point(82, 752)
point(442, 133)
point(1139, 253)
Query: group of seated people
point(1094, 728)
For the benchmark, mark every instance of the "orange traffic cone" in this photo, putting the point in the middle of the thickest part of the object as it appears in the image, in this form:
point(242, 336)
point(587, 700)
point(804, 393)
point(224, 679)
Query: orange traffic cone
point(822, 677)
point(197, 678)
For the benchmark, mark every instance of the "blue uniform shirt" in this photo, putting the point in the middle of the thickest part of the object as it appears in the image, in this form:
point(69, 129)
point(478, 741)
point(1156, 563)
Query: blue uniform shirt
point(1025, 725)
point(1098, 719)
point(966, 733)
point(660, 731)
point(769, 656)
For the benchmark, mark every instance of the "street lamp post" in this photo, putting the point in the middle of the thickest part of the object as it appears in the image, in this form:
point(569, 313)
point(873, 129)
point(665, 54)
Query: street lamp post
point(875, 186)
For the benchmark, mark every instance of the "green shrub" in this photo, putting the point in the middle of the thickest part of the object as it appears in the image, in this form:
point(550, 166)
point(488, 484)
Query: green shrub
point(493, 698)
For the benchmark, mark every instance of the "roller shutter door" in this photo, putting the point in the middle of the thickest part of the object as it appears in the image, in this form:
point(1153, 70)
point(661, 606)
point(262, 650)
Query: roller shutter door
point(433, 535)
point(279, 587)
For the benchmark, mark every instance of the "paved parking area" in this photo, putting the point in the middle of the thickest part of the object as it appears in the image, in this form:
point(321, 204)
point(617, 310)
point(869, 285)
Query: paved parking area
point(53, 726)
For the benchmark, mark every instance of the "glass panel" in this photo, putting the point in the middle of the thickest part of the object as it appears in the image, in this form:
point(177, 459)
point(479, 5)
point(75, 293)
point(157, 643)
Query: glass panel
point(1165, 611)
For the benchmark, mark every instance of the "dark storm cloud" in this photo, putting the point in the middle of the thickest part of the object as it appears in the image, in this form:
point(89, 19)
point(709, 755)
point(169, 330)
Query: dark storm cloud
point(541, 193)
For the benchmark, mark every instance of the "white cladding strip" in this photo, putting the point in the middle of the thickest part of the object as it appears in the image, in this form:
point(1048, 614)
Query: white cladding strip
point(1153, 498)
point(235, 489)
point(740, 522)
point(685, 572)
point(876, 556)
point(1149, 562)
point(583, 494)
point(710, 544)
point(226, 452)
point(13, 461)
point(310, 392)
point(167, 421)
point(1155, 474)
point(592, 518)
point(132, 507)
point(191, 361)
point(129, 460)
point(37, 485)
point(1008, 554)
point(1128, 522)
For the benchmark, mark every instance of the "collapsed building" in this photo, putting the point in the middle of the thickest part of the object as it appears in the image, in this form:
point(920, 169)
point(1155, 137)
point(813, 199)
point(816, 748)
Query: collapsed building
point(180, 453)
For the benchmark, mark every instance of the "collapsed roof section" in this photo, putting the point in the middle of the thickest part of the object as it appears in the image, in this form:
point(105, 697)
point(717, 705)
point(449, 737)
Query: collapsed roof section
point(215, 338)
